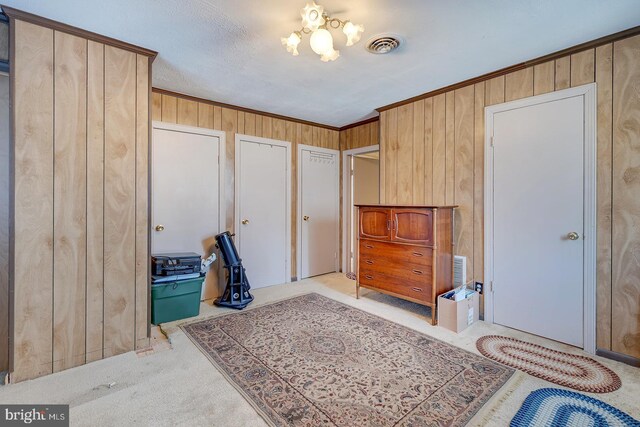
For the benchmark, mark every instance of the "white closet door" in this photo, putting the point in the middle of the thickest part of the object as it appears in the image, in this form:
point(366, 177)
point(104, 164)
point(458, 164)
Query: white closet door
point(262, 210)
point(186, 199)
point(318, 198)
point(538, 202)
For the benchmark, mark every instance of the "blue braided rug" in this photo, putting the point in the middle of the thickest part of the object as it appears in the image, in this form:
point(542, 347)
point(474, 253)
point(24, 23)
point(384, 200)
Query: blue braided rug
point(553, 407)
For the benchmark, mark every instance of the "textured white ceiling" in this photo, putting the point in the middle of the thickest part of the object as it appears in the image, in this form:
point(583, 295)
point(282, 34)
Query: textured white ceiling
point(229, 50)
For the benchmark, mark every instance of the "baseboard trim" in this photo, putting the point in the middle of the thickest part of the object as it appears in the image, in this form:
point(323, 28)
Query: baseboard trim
point(619, 357)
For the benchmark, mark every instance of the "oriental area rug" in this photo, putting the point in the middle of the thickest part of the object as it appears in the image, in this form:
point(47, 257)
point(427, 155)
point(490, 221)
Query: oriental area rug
point(312, 361)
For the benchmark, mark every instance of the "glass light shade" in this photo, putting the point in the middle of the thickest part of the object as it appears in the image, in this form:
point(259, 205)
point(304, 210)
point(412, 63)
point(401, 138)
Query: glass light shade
point(330, 56)
point(312, 16)
point(291, 43)
point(353, 33)
point(321, 42)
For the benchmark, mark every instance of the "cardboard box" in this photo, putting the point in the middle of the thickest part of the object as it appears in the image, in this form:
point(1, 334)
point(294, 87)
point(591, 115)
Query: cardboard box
point(457, 315)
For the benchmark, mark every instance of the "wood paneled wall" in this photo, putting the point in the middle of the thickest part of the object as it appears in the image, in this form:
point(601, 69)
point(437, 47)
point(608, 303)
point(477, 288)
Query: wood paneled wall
point(4, 222)
point(432, 151)
point(364, 135)
point(80, 275)
point(185, 111)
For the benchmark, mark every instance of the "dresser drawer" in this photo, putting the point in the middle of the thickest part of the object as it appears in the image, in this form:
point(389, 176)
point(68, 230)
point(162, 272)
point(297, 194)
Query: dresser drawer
point(404, 270)
point(398, 254)
point(417, 289)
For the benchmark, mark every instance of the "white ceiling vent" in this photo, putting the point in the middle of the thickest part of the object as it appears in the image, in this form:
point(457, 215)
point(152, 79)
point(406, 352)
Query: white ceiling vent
point(383, 43)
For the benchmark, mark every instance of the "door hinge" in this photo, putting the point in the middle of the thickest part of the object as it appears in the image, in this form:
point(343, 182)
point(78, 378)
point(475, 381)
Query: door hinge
point(491, 286)
point(491, 141)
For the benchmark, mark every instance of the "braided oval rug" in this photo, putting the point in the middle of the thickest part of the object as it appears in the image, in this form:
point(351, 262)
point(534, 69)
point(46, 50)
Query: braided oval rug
point(551, 407)
point(570, 370)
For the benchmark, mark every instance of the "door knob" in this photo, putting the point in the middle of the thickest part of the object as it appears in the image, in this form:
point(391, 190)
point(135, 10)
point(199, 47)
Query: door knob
point(159, 227)
point(306, 218)
point(573, 236)
point(245, 221)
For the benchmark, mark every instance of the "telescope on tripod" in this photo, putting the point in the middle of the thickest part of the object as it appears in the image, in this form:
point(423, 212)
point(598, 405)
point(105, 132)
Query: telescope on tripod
point(236, 293)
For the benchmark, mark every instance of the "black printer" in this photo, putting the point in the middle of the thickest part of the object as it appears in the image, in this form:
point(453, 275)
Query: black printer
point(175, 263)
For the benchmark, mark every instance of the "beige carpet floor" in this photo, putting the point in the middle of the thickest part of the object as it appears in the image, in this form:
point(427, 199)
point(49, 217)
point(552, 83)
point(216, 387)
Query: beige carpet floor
point(179, 386)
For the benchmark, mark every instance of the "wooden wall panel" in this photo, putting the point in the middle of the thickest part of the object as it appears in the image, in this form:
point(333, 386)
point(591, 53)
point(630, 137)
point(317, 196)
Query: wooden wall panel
point(383, 155)
point(81, 199)
point(463, 174)
point(169, 109)
point(494, 91)
point(217, 117)
point(604, 74)
point(229, 123)
point(563, 73)
point(258, 125)
point(391, 157)
point(187, 112)
point(450, 148)
point(142, 255)
point(119, 200)
point(240, 124)
point(544, 78)
point(519, 84)
point(418, 153)
point(205, 115)
point(404, 167)
point(5, 189)
point(626, 202)
point(95, 198)
point(69, 201)
point(439, 149)
point(267, 129)
point(428, 151)
point(250, 124)
point(33, 208)
point(156, 112)
point(583, 68)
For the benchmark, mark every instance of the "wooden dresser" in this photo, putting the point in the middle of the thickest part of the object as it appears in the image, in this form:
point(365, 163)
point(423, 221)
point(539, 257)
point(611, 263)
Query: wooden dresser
point(406, 251)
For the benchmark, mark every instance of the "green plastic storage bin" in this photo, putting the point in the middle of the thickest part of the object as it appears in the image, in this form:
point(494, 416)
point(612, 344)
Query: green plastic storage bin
point(175, 300)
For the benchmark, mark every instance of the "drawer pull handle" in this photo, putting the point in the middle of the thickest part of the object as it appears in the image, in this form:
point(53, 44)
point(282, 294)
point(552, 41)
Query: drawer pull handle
point(368, 246)
point(369, 262)
point(417, 289)
point(417, 254)
point(418, 272)
point(368, 276)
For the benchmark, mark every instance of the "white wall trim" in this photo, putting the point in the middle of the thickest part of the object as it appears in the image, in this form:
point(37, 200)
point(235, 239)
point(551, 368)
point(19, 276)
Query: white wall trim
point(588, 92)
point(299, 207)
point(236, 214)
point(346, 196)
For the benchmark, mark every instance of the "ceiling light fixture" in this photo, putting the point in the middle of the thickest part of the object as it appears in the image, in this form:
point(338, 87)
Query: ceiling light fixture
point(316, 21)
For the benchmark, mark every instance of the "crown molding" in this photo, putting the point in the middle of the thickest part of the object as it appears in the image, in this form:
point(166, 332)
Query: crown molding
point(559, 54)
point(59, 26)
point(243, 109)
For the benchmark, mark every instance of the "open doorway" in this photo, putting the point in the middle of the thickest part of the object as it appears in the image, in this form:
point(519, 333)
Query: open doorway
point(361, 185)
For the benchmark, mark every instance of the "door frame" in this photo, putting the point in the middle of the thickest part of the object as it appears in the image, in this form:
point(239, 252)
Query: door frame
point(588, 92)
point(222, 137)
point(346, 197)
point(299, 206)
point(236, 211)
